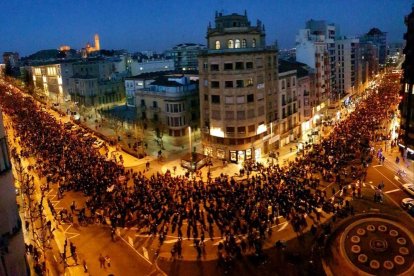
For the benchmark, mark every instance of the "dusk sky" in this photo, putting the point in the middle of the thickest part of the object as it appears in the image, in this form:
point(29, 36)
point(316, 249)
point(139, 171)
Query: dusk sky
point(27, 26)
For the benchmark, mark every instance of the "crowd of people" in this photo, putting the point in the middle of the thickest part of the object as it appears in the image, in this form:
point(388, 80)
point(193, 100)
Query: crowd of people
point(161, 204)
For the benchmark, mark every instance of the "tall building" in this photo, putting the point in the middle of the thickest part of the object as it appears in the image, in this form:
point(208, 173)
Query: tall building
point(185, 56)
point(289, 123)
point(12, 248)
point(312, 50)
point(379, 39)
point(238, 90)
point(407, 93)
point(347, 66)
point(330, 32)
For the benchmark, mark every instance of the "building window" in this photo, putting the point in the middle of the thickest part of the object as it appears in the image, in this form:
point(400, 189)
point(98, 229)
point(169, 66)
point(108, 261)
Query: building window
point(251, 128)
point(230, 44)
point(228, 66)
point(239, 83)
point(205, 98)
point(249, 65)
point(241, 115)
point(229, 100)
point(254, 43)
point(237, 44)
point(215, 99)
point(228, 84)
point(217, 44)
point(214, 67)
point(215, 84)
point(229, 115)
point(243, 45)
point(241, 130)
point(230, 129)
point(239, 65)
point(240, 99)
point(250, 98)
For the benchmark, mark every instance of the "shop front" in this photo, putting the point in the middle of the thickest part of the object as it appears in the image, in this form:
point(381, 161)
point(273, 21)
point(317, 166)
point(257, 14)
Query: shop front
point(239, 156)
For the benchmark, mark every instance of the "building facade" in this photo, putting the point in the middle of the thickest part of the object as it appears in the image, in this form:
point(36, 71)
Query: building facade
point(167, 101)
point(347, 66)
point(289, 123)
point(95, 83)
point(12, 248)
point(330, 32)
point(312, 50)
point(407, 93)
point(379, 39)
point(52, 79)
point(151, 65)
point(185, 56)
point(238, 90)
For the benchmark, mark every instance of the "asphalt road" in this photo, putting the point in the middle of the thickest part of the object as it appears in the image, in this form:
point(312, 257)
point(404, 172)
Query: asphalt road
point(387, 173)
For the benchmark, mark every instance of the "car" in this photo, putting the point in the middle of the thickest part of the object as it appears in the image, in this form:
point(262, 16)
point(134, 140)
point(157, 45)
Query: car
point(97, 144)
point(409, 188)
point(407, 202)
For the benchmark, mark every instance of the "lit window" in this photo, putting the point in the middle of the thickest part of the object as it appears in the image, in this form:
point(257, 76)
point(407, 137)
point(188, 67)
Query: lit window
point(217, 44)
point(237, 44)
point(230, 44)
point(243, 43)
point(254, 43)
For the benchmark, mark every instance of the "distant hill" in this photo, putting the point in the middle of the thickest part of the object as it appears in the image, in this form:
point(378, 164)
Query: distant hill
point(48, 54)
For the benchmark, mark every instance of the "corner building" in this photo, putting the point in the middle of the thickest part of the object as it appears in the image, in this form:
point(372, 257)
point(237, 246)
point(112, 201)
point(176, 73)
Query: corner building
point(238, 90)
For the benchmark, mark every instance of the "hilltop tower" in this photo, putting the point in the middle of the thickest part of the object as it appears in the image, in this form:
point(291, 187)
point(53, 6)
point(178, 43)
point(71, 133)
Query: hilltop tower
point(97, 45)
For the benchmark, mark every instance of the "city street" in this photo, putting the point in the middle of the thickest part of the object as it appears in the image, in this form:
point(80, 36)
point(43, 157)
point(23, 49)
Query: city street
point(137, 249)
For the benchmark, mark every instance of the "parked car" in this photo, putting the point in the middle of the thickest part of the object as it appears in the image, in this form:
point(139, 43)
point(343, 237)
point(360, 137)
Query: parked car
point(409, 188)
point(98, 144)
point(407, 202)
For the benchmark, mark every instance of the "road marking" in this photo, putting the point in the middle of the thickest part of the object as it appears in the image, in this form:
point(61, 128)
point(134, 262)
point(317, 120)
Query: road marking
point(170, 241)
point(372, 187)
point(136, 251)
point(72, 235)
point(217, 243)
point(370, 182)
point(392, 191)
point(377, 166)
point(363, 184)
point(283, 226)
point(145, 253)
point(397, 178)
point(396, 186)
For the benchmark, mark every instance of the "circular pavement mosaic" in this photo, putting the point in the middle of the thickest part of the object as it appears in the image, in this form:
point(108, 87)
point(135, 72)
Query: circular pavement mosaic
point(378, 246)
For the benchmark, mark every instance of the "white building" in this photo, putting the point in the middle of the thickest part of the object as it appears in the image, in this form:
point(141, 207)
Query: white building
point(53, 79)
point(312, 50)
point(330, 32)
point(148, 66)
point(347, 69)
